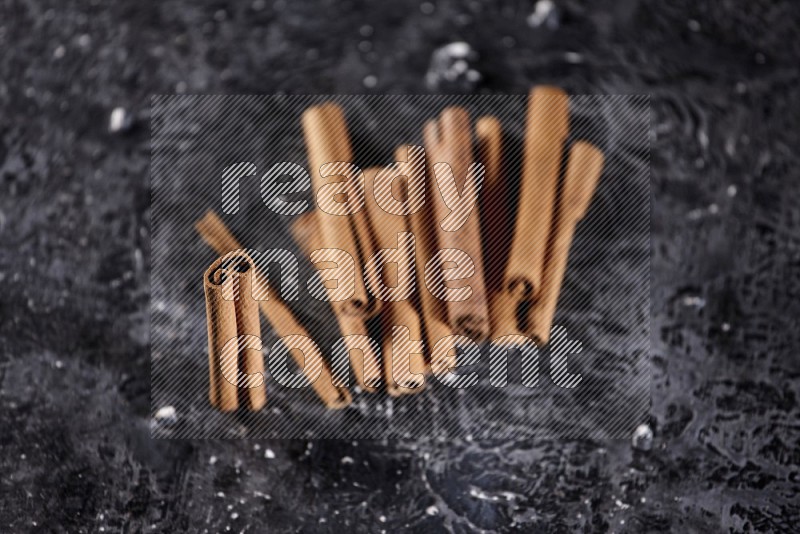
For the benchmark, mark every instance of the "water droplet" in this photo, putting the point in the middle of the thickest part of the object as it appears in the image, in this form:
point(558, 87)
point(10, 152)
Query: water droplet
point(643, 438)
point(693, 301)
point(544, 14)
point(167, 414)
point(450, 68)
point(119, 120)
point(370, 81)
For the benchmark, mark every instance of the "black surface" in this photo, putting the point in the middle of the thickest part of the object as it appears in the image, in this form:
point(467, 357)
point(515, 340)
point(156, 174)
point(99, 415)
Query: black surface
point(75, 451)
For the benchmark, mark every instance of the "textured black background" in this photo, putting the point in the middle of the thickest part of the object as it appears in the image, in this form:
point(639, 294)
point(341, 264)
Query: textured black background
point(75, 451)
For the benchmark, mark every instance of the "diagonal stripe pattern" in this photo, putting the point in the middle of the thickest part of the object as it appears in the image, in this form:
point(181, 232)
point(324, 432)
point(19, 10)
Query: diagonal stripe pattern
point(202, 144)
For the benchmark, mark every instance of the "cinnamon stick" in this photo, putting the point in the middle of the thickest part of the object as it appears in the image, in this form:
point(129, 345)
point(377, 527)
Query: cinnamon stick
point(327, 141)
point(546, 130)
point(433, 311)
point(214, 232)
point(404, 364)
point(221, 321)
point(248, 323)
point(584, 167)
point(448, 140)
point(232, 313)
point(364, 362)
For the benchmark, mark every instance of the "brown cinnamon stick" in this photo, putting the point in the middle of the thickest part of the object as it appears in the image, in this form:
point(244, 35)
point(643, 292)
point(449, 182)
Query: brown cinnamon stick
point(235, 370)
point(546, 130)
point(433, 311)
point(584, 167)
point(221, 318)
point(248, 323)
point(216, 234)
point(327, 141)
point(404, 365)
point(449, 140)
point(364, 362)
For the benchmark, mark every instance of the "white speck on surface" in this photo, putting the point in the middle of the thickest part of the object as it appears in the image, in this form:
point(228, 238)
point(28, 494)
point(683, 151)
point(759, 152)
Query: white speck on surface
point(726, 327)
point(347, 460)
point(450, 63)
point(84, 40)
point(693, 301)
point(382, 519)
point(702, 138)
point(59, 52)
point(732, 190)
point(212, 460)
point(643, 438)
point(166, 413)
point(269, 454)
point(370, 81)
point(234, 516)
point(432, 510)
point(118, 120)
point(693, 25)
point(458, 49)
point(713, 209)
point(573, 57)
point(544, 14)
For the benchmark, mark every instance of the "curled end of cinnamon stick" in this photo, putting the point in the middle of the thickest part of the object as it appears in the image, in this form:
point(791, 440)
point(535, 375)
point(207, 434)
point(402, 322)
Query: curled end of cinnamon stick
point(520, 289)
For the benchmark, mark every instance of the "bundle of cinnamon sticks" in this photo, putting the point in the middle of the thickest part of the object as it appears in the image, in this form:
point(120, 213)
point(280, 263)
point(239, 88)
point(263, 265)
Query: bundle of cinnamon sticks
point(478, 277)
